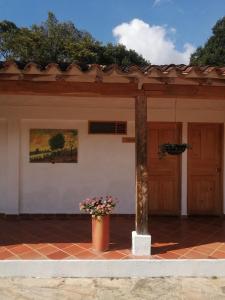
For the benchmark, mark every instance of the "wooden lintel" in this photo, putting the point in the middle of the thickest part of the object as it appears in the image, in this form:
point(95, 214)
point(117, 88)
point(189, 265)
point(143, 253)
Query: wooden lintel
point(184, 91)
point(128, 139)
point(64, 88)
point(106, 89)
point(141, 165)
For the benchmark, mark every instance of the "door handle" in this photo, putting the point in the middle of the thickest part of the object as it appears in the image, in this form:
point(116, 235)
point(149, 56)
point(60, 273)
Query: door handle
point(218, 170)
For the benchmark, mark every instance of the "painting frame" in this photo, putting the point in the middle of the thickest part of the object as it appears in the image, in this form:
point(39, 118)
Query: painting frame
point(52, 145)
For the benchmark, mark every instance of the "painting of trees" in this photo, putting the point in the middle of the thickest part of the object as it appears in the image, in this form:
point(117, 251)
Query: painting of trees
point(53, 145)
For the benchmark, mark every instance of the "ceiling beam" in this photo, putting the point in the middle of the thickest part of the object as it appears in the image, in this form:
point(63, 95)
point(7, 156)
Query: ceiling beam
point(184, 91)
point(108, 89)
point(65, 88)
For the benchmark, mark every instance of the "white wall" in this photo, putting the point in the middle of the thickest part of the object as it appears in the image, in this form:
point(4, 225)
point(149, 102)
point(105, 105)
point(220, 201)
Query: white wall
point(105, 164)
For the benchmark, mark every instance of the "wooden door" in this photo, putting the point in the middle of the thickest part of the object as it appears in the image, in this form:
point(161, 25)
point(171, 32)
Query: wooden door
point(205, 169)
point(164, 173)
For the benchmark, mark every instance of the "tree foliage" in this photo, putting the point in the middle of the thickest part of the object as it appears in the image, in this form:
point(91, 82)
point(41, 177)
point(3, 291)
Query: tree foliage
point(213, 52)
point(57, 142)
point(60, 42)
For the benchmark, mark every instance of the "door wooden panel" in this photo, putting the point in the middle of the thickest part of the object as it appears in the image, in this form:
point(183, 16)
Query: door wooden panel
point(164, 174)
point(204, 169)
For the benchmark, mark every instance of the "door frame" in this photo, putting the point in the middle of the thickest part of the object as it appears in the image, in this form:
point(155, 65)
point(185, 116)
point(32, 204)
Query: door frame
point(179, 167)
point(221, 182)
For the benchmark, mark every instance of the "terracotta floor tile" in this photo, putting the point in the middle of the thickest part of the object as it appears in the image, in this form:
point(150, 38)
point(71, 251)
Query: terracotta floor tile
point(13, 258)
point(20, 249)
point(85, 245)
point(12, 245)
point(6, 255)
point(125, 251)
point(58, 255)
point(156, 257)
point(73, 250)
point(86, 254)
point(221, 247)
point(194, 237)
point(113, 255)
point(37, 245)
point(194, 255)
point(2, 249)
point(169, 255)
point(182, 251)
point(203, 249)
point(214, 245)
point(31, 255)
point(71, 257)
point(46, 250)
point(218, 254)
point(62, 245)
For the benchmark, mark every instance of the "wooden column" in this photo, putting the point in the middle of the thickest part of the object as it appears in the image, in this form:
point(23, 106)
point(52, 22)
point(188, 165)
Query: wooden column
point(141, 165)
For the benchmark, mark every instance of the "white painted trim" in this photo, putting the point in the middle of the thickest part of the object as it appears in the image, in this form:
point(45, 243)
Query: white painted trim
point(184, 171)
point(113, 268)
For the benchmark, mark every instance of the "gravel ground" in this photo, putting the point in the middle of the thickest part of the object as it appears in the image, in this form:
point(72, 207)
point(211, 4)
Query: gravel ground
point(107, 289)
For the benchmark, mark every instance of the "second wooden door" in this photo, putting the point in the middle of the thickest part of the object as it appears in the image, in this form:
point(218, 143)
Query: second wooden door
point(205, 169)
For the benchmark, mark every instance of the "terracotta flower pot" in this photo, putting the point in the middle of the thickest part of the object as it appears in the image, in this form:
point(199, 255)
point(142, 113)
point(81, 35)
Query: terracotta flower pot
point(100, 233)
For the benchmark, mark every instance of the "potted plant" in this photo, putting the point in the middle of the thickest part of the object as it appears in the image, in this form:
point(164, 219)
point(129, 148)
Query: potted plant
point(172, 149)
point(99, 208)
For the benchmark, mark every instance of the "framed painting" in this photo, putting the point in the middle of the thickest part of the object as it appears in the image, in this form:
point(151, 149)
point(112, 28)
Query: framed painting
point(53, 145)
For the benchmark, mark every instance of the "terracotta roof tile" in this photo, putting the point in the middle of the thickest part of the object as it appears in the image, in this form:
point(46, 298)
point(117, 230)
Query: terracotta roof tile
point(150, 71)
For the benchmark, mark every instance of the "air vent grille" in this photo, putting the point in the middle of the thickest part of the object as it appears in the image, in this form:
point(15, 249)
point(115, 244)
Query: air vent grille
point(107, 127)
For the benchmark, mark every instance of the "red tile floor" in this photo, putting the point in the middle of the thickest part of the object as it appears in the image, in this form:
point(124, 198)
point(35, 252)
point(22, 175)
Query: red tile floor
point(172, 238)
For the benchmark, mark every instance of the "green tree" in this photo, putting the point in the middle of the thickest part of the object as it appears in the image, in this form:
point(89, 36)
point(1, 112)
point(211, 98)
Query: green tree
point(60, 42)
point(57, 142)
point(213, 52)
point(8, 31)
point(118, 54)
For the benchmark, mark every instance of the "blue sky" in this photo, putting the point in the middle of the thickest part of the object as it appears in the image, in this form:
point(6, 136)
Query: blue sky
point(176, 22)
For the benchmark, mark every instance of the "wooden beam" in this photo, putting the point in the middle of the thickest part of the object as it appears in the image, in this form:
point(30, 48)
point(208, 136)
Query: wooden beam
point(184, 91)
point(141, 165)
point(128, 139)
point(106, 89)
point(65, 88)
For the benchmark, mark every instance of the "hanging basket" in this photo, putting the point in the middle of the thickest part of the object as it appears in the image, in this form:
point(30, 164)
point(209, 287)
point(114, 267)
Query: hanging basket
point(172, 149)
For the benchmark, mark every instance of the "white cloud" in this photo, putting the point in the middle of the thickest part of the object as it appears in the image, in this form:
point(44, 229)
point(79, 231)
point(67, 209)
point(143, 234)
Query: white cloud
point(158, 2)
point(173, 30)
point(153, 42)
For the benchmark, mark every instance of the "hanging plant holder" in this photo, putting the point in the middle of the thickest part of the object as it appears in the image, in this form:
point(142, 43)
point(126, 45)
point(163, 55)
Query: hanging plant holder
point(172, 149)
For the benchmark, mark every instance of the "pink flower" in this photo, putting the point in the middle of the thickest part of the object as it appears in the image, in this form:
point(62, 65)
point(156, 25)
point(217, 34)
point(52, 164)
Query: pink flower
point(98, 206)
